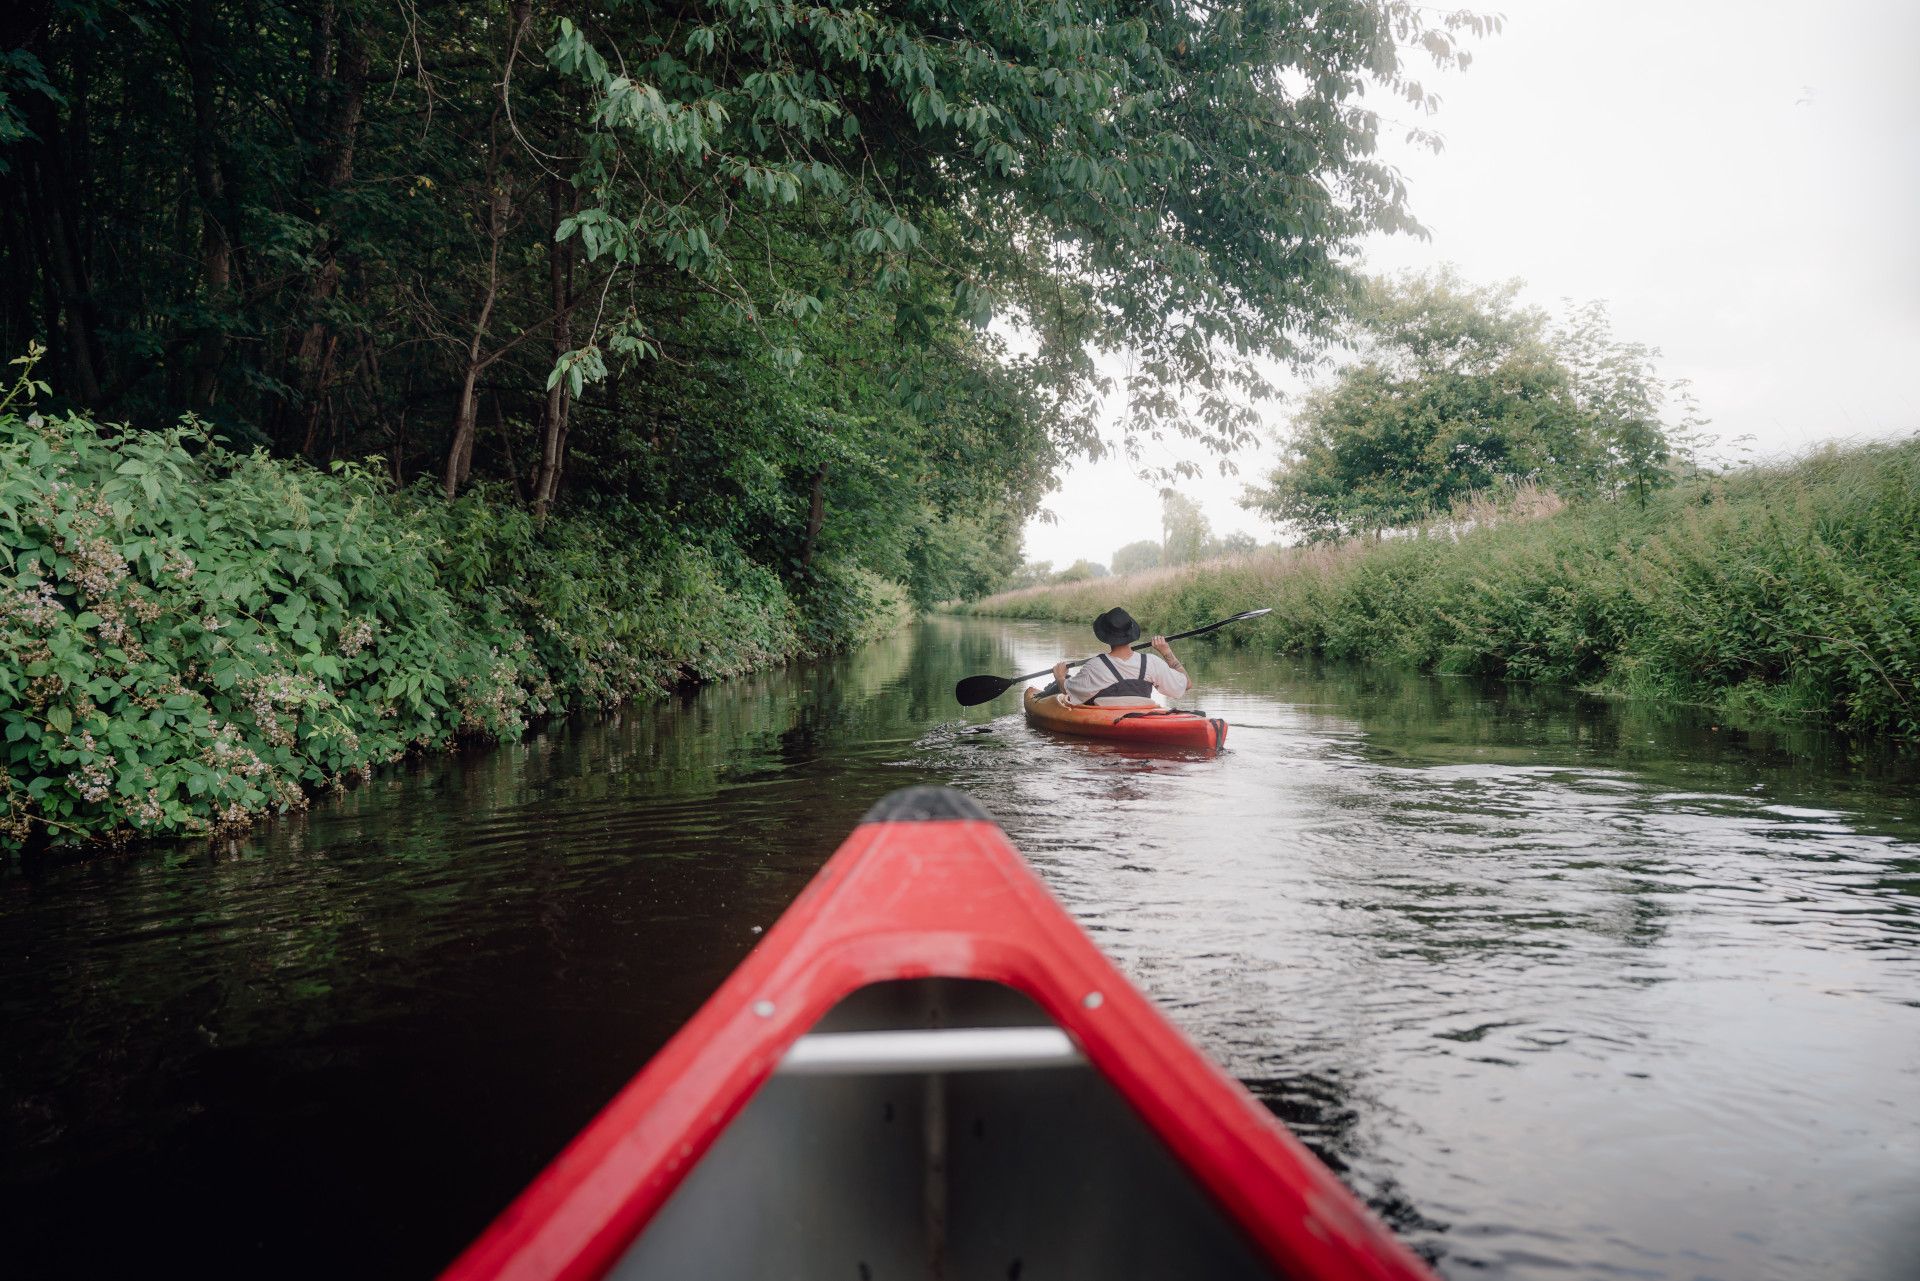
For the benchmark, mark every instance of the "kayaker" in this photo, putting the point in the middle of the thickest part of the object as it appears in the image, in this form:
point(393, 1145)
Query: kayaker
point(1121, 677)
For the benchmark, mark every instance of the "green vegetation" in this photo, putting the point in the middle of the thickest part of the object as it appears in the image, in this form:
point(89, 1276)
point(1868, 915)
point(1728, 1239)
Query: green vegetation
point(713, 326)
point(737, 260)
point(1459, 391)
point(1188, 537)
point(1135, 557)
point(1786, 591)
point(190, 637)
point(1184, 529)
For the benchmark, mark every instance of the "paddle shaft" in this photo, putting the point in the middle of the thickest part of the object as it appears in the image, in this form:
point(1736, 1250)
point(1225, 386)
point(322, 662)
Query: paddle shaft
point(1198, 631)
point(975, 690)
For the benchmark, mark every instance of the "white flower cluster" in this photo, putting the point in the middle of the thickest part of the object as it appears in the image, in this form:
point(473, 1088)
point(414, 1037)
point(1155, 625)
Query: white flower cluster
point(36, 608)
point(94, 782)
point(267, 695)
point(148, 812)
point(290, 795)
point(356, 636)
point(227, 752)
point(496, 706)
point(98, 567)
point(115, 631)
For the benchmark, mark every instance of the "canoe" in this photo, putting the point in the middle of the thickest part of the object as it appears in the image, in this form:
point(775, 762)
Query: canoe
point(1146, 726)
point(926, 1070)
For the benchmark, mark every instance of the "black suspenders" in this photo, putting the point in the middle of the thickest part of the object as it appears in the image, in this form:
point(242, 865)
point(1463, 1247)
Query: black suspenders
point(1124, 686)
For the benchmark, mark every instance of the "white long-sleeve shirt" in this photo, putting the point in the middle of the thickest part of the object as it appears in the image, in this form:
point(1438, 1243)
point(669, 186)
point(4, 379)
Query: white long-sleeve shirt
point(1085, 682)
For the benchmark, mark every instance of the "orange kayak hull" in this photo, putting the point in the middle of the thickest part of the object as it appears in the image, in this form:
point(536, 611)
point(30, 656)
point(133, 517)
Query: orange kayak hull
point(1145, 726)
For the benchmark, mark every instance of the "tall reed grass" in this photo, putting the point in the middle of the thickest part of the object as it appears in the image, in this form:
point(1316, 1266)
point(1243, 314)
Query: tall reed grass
point(1785, 591)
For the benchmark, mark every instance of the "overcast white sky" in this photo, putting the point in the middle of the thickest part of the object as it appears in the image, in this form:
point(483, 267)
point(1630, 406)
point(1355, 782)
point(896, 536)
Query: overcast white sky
point(1739, 179)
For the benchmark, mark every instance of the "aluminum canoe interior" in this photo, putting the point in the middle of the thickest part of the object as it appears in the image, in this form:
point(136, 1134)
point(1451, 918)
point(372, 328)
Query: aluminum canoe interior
point(938, 1129)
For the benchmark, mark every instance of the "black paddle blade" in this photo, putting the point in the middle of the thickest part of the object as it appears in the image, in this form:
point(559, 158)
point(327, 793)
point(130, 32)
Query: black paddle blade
point(974, 690)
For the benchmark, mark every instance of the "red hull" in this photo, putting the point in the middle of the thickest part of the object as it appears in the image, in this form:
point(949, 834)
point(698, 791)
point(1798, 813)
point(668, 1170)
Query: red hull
point(1146, 727)
point(927, 887)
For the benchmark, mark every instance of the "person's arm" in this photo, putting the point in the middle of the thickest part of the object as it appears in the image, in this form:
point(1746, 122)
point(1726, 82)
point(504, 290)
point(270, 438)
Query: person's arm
point(1060, 678)
point(1175, 684)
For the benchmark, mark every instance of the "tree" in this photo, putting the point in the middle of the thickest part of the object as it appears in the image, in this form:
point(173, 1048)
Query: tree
point(738, 274)
point(1234, 545)
point(1081, 571)
point(1033, 573)
point(1087, 172)
point(1135, 557)
point(1186, 535)
point(1457, 390)
point(1617, 387)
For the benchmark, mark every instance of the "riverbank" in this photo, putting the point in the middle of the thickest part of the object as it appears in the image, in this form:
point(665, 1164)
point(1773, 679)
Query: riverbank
point(193, 638)
point(1789, 591)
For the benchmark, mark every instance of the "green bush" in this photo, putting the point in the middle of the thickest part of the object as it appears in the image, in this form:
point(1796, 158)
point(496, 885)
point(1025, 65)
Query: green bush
point(1784, 591)
point(192, 637)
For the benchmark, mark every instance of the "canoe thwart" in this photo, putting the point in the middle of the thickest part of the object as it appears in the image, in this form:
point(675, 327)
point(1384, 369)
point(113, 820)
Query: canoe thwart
point(954, 1049)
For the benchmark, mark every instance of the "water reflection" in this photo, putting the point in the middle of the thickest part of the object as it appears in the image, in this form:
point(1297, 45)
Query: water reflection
point(1558, 984)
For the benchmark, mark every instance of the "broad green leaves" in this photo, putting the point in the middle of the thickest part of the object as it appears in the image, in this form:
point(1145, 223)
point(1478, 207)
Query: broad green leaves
point(261, 629)
point(1098, 170)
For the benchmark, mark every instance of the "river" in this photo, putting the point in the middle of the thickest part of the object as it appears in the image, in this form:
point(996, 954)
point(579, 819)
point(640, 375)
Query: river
point(1561, 986)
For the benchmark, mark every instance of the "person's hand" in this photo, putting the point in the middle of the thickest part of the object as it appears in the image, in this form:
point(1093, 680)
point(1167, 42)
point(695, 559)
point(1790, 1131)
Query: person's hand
point(1060, 674)
point(1161, 647)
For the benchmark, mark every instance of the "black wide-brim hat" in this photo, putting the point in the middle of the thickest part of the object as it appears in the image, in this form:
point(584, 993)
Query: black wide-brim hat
point(1116, 627)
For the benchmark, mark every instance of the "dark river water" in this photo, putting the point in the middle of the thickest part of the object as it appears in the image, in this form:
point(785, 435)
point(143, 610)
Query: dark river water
point(1562, 987)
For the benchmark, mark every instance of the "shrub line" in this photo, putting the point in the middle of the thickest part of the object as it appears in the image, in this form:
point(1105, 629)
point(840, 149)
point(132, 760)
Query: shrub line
point(1785, 592)
point(192, 638)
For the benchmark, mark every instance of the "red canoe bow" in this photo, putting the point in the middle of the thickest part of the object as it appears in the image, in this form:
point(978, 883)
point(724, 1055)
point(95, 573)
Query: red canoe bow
point(926, 1069)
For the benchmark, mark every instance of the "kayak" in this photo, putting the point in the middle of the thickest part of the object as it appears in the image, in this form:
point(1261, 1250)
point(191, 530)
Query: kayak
point(1146, 726)
point(927, 1070)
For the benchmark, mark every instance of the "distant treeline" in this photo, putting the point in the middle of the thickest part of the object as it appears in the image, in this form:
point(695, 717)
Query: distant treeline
point(1783, 591)
point(1186, 536)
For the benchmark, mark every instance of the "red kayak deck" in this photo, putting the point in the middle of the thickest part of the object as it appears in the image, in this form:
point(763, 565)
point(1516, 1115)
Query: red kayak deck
point(1146, 726)
point(928, 890)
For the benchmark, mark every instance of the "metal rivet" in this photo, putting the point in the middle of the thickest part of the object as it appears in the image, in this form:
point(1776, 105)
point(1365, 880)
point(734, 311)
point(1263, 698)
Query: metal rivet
point(1092, 1000)
point(763, 1008)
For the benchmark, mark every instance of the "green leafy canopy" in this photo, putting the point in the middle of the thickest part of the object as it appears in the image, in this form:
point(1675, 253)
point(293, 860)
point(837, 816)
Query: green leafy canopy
point(1459, 390)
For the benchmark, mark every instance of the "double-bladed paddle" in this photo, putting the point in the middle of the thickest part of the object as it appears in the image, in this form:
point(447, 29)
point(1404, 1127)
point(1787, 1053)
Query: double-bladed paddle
point(974, 690)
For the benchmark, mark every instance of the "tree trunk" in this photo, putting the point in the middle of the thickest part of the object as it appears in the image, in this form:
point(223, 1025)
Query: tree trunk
point(816, 516)
point(460, 452)
point(311, 401)
point(506, 447)
point(216, 248)
point(553, 434)
point(73, 331)
point(400, 431)
point(339, 92)
point(33, 226)
point(16, 322)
